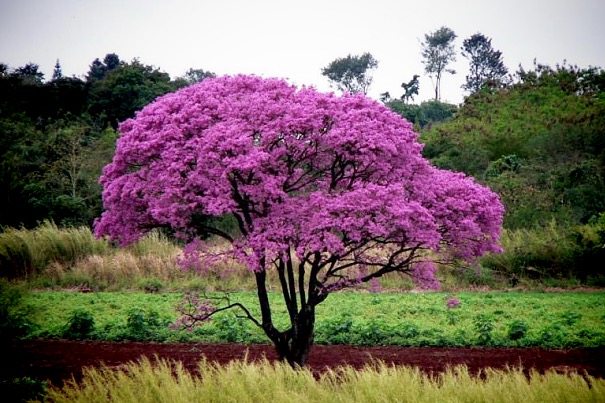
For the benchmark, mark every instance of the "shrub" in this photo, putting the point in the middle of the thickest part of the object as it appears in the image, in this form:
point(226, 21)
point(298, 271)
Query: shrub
point(517, 330)
point(141, 325)
point(23, 389)
point(80, 326)
point(484, 325)
point(13, 316)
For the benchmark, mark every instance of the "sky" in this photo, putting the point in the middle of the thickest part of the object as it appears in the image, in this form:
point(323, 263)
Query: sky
point(296, 39)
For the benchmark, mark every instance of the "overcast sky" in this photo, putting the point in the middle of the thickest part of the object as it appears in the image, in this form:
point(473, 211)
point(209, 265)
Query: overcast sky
point(295, 39)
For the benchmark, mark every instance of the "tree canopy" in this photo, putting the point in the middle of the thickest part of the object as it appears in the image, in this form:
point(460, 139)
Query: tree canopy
point(328, 191)
point(485, 63)
point(352, 73)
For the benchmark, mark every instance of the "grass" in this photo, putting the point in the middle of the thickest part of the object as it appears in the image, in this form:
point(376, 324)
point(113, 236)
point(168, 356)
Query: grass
point(24, 253)
point(52, 257)
point(242, 381)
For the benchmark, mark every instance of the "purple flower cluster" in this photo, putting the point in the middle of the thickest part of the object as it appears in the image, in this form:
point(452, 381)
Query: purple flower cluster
point(336, 181)
point(452, 302)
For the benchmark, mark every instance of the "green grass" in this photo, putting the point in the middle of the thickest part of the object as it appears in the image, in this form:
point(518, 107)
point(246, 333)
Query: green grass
point(511, 319)
point(241, 381)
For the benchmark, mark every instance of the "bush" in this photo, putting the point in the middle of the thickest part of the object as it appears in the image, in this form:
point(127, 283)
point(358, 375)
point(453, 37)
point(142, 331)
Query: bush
point(517, 330)
point(553, 251)
point(80, 326)
point(13, 316)
point(334, 331)
point(141, 325)
point(484, 325)
point(23, 389)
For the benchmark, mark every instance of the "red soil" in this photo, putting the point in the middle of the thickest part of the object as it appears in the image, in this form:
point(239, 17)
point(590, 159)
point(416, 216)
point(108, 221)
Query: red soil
point(59, 360)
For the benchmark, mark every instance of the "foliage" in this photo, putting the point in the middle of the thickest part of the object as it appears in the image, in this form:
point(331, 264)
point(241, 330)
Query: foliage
point(437, 52)
point(14, 321)
point(352, 73)
point(142, 325)
point(192, 76)
point(552, 251)
point(538, 143)
point(125, 89)
point(517, 329)
point(24, 389)
point(80, 326)
point(484, 326)
point(410, 89)
point(506, 319)
point(486, 65)
point(51, 172)
point(425, 115)
point(330, 192)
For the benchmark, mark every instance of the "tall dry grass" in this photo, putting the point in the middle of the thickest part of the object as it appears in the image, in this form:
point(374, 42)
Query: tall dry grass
point(24, 253)
point(242, 381)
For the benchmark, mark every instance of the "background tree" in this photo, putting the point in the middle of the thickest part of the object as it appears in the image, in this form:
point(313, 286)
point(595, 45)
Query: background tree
point(352, 73)
point(411, 88)
point(545, 166)
point(57, 71)
point(330, 192)
point(124, 88)
point(425, 115)
point(29, 74)
point(485, 63)
point(385, 97)
point(192, 76)
point(98, 69)
point(438, 52)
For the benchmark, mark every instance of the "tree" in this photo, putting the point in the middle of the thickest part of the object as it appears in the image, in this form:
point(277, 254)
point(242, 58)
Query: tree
point(125, 89)
point(192, 76)
point(485, 63)
point(57, 71)
point(385, 97)
point(438, 51)
point(411, 88)
point(98, 69)
point(29, 74)
point(330, 192)
point(424, 115)
point(352, 73)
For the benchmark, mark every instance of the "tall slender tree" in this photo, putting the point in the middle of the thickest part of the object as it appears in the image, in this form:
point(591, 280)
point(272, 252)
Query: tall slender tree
point(411, 88)
point(438, 52)
point(485, 63)
point(57, 72)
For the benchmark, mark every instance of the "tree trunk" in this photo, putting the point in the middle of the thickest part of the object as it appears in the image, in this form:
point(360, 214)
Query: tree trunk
point(295, 345)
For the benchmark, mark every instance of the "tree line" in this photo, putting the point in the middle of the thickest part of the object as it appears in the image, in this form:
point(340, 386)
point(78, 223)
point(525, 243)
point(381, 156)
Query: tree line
point(57, 135)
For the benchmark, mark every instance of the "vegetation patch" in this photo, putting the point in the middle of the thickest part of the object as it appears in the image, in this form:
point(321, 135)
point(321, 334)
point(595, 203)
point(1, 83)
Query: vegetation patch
point(263, 381)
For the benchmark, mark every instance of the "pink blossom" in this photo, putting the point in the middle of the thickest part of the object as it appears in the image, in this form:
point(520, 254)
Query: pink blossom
point(452, 302)
point(336, 181)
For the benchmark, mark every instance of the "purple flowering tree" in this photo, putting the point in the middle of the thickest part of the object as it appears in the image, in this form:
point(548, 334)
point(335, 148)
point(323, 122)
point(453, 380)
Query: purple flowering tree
point(329, 191)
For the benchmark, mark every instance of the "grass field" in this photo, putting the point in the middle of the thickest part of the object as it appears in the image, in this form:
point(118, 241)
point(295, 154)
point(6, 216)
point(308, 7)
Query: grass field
point(513, 319)
point(273, 382)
